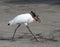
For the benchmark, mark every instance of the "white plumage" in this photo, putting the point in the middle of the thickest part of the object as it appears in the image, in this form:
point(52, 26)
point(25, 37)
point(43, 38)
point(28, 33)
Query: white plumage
point(24, 19)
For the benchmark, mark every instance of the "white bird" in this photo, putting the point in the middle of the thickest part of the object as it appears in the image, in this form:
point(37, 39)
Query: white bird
point(24, 19)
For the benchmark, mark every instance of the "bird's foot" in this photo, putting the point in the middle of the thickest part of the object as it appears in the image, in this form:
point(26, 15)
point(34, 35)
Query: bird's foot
point(12, 39)
point(38, 40)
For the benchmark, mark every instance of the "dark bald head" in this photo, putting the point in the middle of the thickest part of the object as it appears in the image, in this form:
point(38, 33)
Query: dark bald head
point(33, 14)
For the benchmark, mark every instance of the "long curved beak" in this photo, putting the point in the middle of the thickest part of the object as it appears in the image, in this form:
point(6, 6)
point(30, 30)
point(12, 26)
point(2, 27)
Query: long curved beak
point(37, 19)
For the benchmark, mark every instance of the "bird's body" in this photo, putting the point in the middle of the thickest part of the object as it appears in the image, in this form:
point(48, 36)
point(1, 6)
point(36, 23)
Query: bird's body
point(22, 19)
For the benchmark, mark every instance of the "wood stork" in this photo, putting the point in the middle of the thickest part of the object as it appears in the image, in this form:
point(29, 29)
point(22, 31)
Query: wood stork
point(24, 19)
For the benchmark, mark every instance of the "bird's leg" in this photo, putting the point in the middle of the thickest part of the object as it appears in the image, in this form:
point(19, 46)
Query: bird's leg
point(15, 31)
point(31, 32)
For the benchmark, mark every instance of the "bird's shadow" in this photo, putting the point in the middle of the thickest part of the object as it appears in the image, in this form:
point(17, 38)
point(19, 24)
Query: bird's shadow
point(10, 38)
point(5, 38)
point(26, 36)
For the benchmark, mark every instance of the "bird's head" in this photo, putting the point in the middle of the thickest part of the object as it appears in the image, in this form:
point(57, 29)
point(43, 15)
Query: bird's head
point(36, 17)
